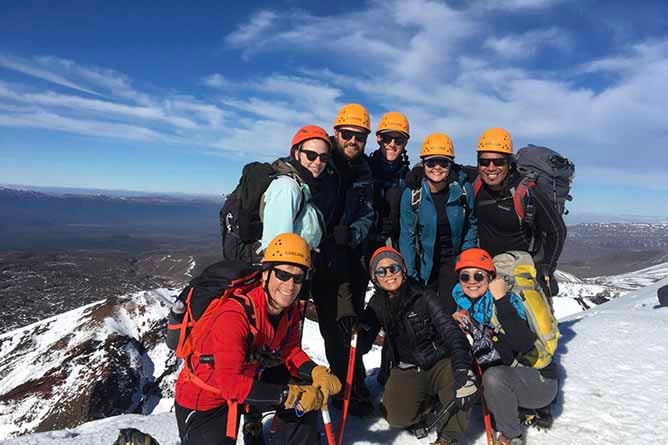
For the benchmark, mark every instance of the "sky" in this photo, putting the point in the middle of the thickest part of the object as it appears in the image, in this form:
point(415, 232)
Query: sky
point(178, 96)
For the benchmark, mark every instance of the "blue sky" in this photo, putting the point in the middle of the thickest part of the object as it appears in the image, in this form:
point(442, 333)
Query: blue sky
point(177, 97)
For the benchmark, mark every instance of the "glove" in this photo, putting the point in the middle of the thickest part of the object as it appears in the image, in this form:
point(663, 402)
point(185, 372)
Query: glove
point(553, 285)
point(305, 397)
point(342, 235)
point(346, 325)
point(328, 383)
point(466, 391)
point(414, 177)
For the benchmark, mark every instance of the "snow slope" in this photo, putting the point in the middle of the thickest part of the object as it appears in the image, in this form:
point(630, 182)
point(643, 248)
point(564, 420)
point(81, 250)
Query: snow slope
point(614, 386)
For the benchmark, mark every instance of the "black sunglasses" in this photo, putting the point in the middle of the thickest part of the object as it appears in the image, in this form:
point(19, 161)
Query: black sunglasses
point(478, 277)
point(398, 140)
point(348, 135)
point(441, 162)
point(391, 269)
point(313, 155)
point(499, 162)
point(286, 276)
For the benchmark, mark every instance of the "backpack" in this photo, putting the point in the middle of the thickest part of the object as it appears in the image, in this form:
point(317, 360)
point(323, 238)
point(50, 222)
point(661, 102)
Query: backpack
point(241, 217)
point(551, 173)
point(195, 306)
point(518, 270)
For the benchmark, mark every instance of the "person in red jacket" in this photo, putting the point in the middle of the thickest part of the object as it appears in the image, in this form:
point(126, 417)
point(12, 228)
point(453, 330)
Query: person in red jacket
point(235, 358)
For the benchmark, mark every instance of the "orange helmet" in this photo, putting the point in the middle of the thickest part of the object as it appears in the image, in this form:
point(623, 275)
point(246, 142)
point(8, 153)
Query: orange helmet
point(497, 140)
point(437, 144)
point(306, 133)
point(288, 248)
point(475, 257)
point(394, 121)
point(353, 114)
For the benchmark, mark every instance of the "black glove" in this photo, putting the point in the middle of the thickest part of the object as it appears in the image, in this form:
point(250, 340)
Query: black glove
point(414, 177)
point(466, 391)
point(346, 325)
point(342, 235)
point(554, 285)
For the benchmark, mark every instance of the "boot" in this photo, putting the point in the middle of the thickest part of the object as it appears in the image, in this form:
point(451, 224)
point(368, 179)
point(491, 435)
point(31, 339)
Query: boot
point(252, 429)
point(503, 440)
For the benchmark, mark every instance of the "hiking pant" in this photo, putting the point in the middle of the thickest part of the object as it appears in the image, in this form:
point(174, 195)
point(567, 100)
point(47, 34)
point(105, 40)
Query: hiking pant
point(210, 427)
point(506, 388)
point(338, 289)
point(408, 392)
point(444, 279)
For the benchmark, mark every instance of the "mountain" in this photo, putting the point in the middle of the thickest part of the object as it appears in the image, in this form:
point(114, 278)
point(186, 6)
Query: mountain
point(614, 383)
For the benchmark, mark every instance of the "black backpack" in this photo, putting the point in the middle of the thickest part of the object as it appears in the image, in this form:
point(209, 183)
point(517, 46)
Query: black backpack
point(241, 215)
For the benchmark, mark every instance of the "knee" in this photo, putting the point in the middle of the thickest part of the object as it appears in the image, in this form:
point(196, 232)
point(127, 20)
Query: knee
point(399, 418)
point(493, 379)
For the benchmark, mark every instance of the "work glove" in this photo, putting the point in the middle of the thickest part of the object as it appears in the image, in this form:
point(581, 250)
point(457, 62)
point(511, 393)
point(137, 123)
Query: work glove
point(346, 325)
point(328, 383)
point(553, 284)
point(304, 398)
point(466, 391)
point(342, 235)
point(414, 177)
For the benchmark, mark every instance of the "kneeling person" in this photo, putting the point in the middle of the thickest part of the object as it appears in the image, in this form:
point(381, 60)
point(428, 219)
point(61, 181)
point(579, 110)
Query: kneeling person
point(497, 323)
point(208, 392)
point(429, 355)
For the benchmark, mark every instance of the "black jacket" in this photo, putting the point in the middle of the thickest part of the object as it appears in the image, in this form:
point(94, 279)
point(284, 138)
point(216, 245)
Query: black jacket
point(500, 230)
point(418, 324)
point(389, 183)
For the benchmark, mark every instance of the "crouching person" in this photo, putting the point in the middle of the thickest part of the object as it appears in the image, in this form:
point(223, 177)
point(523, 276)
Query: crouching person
point(497, 324)
point(429, 355)
point(211, 392)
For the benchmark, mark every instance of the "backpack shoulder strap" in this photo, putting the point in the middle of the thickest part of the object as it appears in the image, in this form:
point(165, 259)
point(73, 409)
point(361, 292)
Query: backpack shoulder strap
point(523, 200)
point(477, 185)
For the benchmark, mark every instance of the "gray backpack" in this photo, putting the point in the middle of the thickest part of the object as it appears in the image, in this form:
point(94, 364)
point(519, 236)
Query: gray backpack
point(552, 173)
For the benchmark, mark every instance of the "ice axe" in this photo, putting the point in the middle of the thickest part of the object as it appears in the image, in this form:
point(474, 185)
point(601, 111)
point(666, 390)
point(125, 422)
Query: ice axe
point(349, 385)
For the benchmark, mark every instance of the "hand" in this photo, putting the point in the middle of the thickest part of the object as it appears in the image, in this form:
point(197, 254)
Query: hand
point(414, 177)
point(341, 235)
point(346, 325)
point(328, 383)
point(466, 390)
point(552, 284)
point(498, 288)
point(305, 397)
point(462, 318)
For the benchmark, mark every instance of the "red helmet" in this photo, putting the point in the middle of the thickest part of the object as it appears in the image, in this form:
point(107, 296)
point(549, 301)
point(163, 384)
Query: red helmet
point(306, 133)
point(475, 257)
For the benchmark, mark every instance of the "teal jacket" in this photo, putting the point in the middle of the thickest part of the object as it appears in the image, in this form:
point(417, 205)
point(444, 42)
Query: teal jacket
point(463, 225)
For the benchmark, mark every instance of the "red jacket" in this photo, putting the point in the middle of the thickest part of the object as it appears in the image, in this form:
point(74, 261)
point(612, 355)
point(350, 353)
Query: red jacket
point(226, 341)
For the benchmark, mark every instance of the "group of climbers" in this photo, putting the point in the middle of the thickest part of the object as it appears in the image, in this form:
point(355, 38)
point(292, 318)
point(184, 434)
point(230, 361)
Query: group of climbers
point(332, 218)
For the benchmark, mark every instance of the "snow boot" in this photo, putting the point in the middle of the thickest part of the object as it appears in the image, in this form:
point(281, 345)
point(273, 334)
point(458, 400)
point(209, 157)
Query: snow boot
point(662, 293)
point(252, 429)
point(540, 418)
point(503, 440)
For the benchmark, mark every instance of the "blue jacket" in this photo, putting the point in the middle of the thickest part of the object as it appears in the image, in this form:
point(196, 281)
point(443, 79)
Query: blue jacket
point(463, 225)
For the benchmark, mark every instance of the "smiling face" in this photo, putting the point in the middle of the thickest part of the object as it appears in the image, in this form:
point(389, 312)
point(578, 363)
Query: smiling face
point(493, 175)
point(472, 288)
point(390, 282)
point(437, 168)
point(281, 293)
point(317, 166)
point(391, 150)
point(352, 147)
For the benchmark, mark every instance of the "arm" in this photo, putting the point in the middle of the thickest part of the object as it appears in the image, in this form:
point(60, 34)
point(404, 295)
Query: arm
point(549, 222)
point(282, 201)
point(517, 332)
point(408, 236)
point(369, 327)
point(449, 332)
point(365, 216)
point(471, 235)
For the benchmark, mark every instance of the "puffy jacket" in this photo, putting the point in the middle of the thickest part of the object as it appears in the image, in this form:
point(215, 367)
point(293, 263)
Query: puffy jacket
point(461, 217)
point(517, 338)
point(288, 208)
point(233, 371)
point(429, 332)
point(389, 183)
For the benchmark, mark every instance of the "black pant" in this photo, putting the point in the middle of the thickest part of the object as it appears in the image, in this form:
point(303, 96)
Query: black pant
point(444, 278)
point(210, 427)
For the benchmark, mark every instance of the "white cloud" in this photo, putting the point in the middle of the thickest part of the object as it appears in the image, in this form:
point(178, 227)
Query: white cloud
point(248, 32)
point(527, 44)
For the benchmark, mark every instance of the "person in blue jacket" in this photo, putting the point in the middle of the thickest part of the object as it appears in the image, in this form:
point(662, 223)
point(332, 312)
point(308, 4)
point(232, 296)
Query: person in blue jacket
point(437, 220)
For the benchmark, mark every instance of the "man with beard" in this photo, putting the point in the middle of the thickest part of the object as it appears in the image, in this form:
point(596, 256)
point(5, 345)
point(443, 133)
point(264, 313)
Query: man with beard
point(340, 280)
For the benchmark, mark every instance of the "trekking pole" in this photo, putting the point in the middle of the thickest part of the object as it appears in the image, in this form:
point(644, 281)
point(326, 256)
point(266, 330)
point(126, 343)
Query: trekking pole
point(487, 417)
point(327, 421)
point(349, 386)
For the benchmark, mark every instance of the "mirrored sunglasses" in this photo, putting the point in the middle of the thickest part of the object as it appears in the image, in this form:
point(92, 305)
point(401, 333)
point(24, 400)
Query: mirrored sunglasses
point(441, 162)
point(313, 155)
point(478, 277)
point(387, 270)
point(398, 140)
point(348, 135)
point(499, 162)
point(286, 276)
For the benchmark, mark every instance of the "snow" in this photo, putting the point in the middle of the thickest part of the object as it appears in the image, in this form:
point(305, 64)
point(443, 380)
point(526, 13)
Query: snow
point(614, 385)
